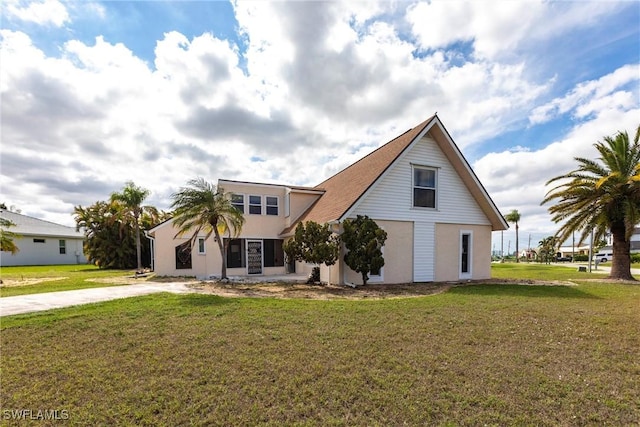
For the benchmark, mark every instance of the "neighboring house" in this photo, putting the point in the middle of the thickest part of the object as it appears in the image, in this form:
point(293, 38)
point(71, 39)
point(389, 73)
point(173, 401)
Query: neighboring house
point(42, 242)
point(584, 250)
point(418, 187)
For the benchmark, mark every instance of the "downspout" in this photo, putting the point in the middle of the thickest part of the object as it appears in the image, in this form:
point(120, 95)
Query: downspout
point(152, 246)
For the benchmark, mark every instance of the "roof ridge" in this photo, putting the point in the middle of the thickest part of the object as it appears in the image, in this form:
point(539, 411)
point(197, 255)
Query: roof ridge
point(37, 219)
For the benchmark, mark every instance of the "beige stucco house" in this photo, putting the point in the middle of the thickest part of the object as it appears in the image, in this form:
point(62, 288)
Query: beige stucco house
point(418, 187)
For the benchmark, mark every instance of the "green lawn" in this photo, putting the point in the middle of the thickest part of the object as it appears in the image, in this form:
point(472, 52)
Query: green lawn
point(55, 278)
point(476, 355)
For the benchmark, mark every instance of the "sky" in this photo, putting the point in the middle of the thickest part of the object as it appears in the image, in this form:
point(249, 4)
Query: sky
point(95, 94)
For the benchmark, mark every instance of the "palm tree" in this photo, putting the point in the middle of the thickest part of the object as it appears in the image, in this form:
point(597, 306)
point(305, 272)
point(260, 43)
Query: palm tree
point(602, 195)
point(201, 207)
point(131, 199)
point(6, 237)
point(514, 216)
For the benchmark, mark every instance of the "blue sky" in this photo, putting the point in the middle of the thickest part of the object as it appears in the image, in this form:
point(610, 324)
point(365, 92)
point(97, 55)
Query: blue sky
point(98, 93)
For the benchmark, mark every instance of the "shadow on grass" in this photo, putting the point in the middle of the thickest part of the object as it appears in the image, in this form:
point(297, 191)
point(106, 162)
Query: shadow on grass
point(529, 291)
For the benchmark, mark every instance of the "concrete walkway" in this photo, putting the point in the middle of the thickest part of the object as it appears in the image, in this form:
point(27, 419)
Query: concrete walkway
point(46, 301)
point(602, 268)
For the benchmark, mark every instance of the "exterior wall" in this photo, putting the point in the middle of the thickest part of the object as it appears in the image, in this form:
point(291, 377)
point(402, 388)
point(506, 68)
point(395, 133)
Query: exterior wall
point(259, 226)
point(164, 263)
point(299, 202)
point(398, 255)
point(447, 256)
point(47, 253)
point(391, 198)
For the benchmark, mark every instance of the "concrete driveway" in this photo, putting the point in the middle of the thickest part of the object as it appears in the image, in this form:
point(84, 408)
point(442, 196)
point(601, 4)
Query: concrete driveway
point(40, 302)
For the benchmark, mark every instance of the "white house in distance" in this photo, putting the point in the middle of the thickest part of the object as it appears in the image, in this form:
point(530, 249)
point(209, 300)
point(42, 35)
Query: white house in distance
point(418, 187)
point(42, 242)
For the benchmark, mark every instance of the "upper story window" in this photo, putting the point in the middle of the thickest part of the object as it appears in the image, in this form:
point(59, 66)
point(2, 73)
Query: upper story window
point(424, 187)
point(255, 205)
point(237, 200)
point(272, 205)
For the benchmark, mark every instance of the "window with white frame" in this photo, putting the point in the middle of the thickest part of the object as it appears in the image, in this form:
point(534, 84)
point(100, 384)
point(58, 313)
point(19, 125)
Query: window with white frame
point(424, 187)
point(201, 246)
point(255, 205)
point(272, 205)
point(466, 244)
point(237, 200)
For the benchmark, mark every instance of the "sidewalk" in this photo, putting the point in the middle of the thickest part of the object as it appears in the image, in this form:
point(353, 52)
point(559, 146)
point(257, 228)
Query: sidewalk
point(602, 268)
point(40, 302)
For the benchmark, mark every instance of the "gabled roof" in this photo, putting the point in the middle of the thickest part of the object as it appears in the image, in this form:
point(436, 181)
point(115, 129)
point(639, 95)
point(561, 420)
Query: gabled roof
point(344, 189)
point(29, 226)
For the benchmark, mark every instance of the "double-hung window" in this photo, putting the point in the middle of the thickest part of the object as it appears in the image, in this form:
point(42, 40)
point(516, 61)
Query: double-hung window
point(237, 200)
point(424, 187)
point(272, 205)
point(255, 205)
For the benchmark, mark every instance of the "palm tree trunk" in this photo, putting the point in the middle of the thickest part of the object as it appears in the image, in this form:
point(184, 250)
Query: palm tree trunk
point(223, 271)
point(517, 244)
point(138, 251)
point(621, 262)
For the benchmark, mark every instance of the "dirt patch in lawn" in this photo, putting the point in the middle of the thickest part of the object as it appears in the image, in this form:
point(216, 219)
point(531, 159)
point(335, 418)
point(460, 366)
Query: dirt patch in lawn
point(326, 292)
point(31, 281)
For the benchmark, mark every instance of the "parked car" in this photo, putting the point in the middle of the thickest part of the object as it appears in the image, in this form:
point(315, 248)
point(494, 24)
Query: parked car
point(603, 256)
point(564, 259)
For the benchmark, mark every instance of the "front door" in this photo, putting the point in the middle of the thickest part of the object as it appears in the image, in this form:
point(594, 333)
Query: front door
point(254, 257)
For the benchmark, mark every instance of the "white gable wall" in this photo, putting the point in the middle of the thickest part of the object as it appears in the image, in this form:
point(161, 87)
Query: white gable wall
point(391, 198)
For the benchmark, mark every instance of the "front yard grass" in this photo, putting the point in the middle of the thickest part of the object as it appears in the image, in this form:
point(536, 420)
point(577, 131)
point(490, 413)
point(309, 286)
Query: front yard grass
point(475, 355)
point(23, 280)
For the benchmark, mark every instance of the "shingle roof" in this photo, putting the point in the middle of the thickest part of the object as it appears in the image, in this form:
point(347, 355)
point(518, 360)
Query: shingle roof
point(343, 189)
point(26, 225)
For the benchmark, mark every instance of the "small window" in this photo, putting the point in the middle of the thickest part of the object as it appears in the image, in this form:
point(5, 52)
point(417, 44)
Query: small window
point(255, 205)
point(39, 241)
point(237, 200)
point(183, 256)
point(272, 205)
point(201, 245)
point(424, 187)
point(63, 247)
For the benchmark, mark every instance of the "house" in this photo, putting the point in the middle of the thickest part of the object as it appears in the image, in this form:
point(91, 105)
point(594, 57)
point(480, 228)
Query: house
point(42, 242)
point(418, 187)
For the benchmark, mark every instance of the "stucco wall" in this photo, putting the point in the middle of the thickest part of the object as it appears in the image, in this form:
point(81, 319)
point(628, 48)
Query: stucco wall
point(447, 258)
point(398, 255)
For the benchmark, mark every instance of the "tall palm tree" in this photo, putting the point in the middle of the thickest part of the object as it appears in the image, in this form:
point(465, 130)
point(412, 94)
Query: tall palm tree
point(602, 195)
point(131, 199)
point(514, 216)
point(201, 207)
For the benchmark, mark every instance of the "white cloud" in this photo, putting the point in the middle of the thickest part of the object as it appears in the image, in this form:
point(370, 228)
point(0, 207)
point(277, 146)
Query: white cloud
point(614, 90)
point(517, 179)
point(46, 12)
point(320, 85)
